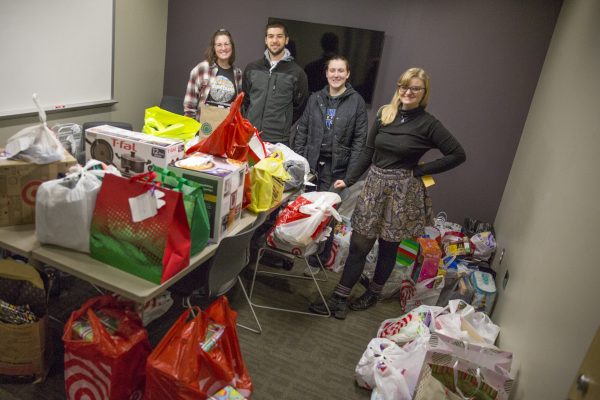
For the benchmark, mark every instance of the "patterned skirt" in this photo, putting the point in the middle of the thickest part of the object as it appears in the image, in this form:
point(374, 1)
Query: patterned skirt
point(393, 205)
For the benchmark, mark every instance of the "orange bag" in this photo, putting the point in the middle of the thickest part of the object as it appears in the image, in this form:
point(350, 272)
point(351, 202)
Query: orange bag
point(179, 369)
point(103, 365)
point(231, 139)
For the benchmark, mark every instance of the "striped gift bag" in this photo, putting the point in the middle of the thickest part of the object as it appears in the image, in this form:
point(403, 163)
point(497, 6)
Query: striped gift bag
point(406, 254)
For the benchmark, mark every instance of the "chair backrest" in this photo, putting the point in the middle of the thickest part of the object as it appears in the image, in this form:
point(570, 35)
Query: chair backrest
point(232, 255)
point(87, 125)
point(172, 103)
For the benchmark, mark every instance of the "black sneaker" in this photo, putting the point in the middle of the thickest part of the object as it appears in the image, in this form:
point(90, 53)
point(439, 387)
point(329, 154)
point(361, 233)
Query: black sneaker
point(337, 305)
point(367, 300)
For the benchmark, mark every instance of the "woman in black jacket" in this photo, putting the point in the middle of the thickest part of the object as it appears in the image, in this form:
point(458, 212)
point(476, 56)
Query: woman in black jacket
point(332, 130)
point(331, 133)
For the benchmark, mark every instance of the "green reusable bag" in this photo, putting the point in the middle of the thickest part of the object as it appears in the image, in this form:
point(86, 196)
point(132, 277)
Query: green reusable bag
point(193, 201)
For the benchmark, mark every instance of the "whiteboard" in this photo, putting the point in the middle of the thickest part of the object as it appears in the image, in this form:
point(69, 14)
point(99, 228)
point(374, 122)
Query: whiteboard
point(60, 49)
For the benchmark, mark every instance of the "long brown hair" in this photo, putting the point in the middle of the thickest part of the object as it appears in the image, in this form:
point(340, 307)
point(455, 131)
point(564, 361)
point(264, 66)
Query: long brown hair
point(211, 55)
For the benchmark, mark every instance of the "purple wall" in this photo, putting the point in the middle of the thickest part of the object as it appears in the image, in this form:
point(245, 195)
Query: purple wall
point(484, 59)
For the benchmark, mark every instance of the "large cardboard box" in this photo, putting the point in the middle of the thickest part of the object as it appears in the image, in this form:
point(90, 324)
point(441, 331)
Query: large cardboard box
point(131, 152)
point(223, 182)
point(25, 353)
point(19, 181)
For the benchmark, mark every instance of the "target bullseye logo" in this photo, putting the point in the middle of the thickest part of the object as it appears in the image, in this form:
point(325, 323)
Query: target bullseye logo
point(86, 379)
point(29, 191)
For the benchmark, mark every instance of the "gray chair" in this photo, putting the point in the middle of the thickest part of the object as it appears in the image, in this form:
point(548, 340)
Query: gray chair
point(224, 268)
point(313, 277)
point(87, 125)
point(172, 103)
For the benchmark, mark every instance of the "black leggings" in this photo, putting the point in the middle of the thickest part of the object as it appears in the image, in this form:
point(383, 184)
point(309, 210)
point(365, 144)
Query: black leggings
point(360, 246)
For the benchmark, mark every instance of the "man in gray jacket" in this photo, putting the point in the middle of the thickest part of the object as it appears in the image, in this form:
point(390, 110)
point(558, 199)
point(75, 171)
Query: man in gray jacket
point(275, 88)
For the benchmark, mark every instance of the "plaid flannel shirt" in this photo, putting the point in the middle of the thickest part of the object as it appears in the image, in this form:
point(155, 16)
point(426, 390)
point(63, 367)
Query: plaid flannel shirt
point(198, 88)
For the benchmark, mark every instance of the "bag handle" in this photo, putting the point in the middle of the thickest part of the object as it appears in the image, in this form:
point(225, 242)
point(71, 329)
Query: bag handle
point(458, 391)
point(41, 112)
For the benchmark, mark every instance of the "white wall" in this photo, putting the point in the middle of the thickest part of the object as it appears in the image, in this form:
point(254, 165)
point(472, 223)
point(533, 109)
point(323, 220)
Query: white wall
point(549, 217)
point(140, 47)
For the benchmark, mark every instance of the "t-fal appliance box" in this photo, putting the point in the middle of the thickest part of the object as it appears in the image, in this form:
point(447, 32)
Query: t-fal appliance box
point(131, 152)
point(223, 182)
point(19, 181)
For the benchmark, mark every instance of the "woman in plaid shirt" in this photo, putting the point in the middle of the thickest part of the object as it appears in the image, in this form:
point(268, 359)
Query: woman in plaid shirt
point(214, 81)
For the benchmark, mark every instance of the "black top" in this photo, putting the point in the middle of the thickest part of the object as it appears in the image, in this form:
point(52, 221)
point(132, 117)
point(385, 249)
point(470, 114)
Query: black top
point(331, 105)
point(401, 144)
point(222, 88)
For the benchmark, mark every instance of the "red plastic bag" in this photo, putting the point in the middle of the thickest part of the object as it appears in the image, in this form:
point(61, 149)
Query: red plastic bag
point(231, 139)
point(110, 365)
point(179, 369)
point(154, 249)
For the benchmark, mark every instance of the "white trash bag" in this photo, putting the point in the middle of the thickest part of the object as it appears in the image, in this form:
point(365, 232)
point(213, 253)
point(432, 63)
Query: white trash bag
point(64, 207)
point(35, 144)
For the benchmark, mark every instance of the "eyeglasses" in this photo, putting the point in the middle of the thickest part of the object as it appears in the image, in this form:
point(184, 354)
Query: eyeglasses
point(414, 89)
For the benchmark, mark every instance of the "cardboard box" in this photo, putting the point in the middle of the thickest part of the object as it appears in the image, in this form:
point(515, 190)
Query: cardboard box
point(130, 152)
point(25, 353)
point(19, 181)
point(223, 183)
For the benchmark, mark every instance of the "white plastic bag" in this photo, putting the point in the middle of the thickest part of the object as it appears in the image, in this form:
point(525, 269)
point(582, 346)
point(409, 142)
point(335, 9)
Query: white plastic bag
point(288, 154)
point(64, 207)
point(390, 370)
point(340, 248)
point(413, 295)
point(299, 232)
point(409, 326)
point(35, 144)
point(460, 321)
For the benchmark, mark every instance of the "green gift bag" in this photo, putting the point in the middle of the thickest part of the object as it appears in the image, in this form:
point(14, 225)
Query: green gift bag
point(193, 201)
point(154, 248)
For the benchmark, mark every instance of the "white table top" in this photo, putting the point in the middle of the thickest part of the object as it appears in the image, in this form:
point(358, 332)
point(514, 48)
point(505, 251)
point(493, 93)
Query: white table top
point(21, 239)
point(130, 286)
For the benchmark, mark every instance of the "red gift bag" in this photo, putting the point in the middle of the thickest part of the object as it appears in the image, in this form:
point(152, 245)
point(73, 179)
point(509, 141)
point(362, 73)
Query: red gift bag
point(231, 139)
point(154, 249)
point(180, 369)
point(106, 347)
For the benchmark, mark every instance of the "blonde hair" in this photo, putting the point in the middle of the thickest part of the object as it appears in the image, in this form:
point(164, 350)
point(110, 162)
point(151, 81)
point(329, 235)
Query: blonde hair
point(389, 111)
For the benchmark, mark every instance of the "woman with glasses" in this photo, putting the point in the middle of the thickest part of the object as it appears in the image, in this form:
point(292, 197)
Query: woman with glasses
point(215, 81)
point(394, 204)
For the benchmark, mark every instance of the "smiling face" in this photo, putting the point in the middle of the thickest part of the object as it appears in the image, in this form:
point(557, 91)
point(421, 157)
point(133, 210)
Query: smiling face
point(276, 40)
point(223, 48)
point(412, 93)
point(337, 74)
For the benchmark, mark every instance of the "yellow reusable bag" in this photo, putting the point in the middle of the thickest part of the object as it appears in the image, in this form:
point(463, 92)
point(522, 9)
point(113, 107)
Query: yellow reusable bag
point(163, 123)
point(266, 180)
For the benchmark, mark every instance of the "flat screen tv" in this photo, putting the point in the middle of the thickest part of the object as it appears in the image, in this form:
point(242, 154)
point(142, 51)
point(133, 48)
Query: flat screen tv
point(311, 44)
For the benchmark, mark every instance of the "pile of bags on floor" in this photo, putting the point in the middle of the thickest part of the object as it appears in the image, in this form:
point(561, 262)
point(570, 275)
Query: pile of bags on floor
point(449, 262)
point(437, 353)
point(108, 355)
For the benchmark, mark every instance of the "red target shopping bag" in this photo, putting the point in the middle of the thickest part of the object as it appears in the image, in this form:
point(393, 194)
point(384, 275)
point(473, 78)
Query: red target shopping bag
point(198, 356)
point(106, 348)
point(155, 248)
